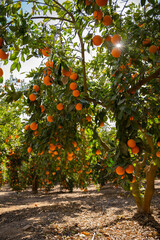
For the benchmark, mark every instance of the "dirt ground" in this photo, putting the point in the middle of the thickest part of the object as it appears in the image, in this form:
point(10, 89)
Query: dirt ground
point(106, 214)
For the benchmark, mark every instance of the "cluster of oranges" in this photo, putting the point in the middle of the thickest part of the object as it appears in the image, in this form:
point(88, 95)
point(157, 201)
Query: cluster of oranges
point(121, 172)
point(132, 144)
point(152, 49)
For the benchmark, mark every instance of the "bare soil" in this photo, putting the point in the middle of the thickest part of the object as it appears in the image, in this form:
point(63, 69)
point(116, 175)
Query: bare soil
point(106, 214)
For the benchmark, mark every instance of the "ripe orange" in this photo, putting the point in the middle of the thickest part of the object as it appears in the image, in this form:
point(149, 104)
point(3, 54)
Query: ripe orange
point(52, 147)
point(78, 106)
point(98, 152)
point(129, 169)
point(3, 55)
point(135, 150)
point(158, 143)
point(131, 143)
point(133, 179)
point(131, 118)
point(107, 20)
point(46, 52)
point(88, 118)
point(116, 52)
point(158, 154)
point(67, 73)
point(153, 49)
point(146, 41)
point(36, 133)
point(60, 106)
point(97, 40)
point(29, 150)
point(120, 170)
point(1, 72)
point(27, 127)
point(42, 108)
point(46, 81)
point(50, 119)
point(116, 39)
point(36, 88)
point(108, 38)
point(101, 3)
point(75, 93)
point(49, 64)
point(32, 97)
point(73, 76)
point(73, 86)
point(98, 14)
point(102, 124)
point(33, 126)
point(74, 144)
point(1, 41)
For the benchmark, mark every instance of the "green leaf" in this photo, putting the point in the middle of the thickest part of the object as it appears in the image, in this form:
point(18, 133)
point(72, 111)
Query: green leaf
point(13, 66)
point(143, 2)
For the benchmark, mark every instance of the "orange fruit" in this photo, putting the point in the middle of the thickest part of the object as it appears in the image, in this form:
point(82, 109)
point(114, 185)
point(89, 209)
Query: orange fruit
point(131, 143)
point(78, 106)
point(59, 106)
point(36, 133)
point(3, 55)
point(116, 52)
point(74, 144)
point(98, 14)
point(120, 170)
point(108, 38)
point(1, 72)
point(129, 169)
point(73, 86)
point(116, 39)
point(49, 64)
point(102, 124)
point(133, 179)
point(101, 3)
point(107, 20)
point(32, 97)
point(52, 147)
point(29, 150)
point(42, 108)
point(97, 40)
point(33, 126)
point(75, 93)
point(36, 88)
point(88, 2)
point(27, 127)
point(46, 52)
point(158, 143)
point(67, 73)
point(50, 119)
point(98, 152)
point(158, 154)
point(69, 158)
point(153, 49)
point(73, 76)
point(1, 41)
point(131, 118)
point(88, 118)
point(146, 41)
point(46, 81)
point(135, 150)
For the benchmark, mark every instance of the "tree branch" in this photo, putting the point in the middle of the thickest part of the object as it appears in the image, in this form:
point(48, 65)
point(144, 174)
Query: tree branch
point(52, 18)
point(104, 145)
point(144, 81)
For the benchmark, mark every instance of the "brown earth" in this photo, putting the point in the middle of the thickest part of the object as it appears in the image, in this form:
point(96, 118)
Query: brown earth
point(106, 214)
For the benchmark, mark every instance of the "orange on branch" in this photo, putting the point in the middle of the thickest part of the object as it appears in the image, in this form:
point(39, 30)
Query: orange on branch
point(60, 106)
point(1, 72)
point(67, 73)
point(46, 52)
point(42, 108)
point(98, 152)
point(133, 179)
point(88, 118)
point(78, 106)
point(116, 39)
point(116, 52)
point(97, 40)
point(50, 119)
point(27, 127)
point(98, 14)
point(29, 150)
point(73, 76)
point(108, 38)
point(36, 88)
point(129, 169)
point(120, 170)
point(131, 143)
point(107, 20)
point(49, 64)
point(75, 93)
point(146, 41)
point(101, 3)
point(52, 147)
point(158, 154)
point(33, 126)
point(102, 124)
point(73, 86)
point(158, 143)
point(32, 97)
point(153, 49)
point(3, 55)
point(47, 81)
point(135, 150)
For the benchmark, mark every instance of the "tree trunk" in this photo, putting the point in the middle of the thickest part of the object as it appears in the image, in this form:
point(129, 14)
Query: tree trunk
point(35, 184)
point(137, 196)
point(150, 176)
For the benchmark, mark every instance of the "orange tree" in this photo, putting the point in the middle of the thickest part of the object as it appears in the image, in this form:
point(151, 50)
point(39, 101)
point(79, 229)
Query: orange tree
point(99, 63)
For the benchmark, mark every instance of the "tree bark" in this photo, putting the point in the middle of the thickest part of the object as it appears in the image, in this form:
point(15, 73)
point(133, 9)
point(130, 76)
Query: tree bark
point(35, 184)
